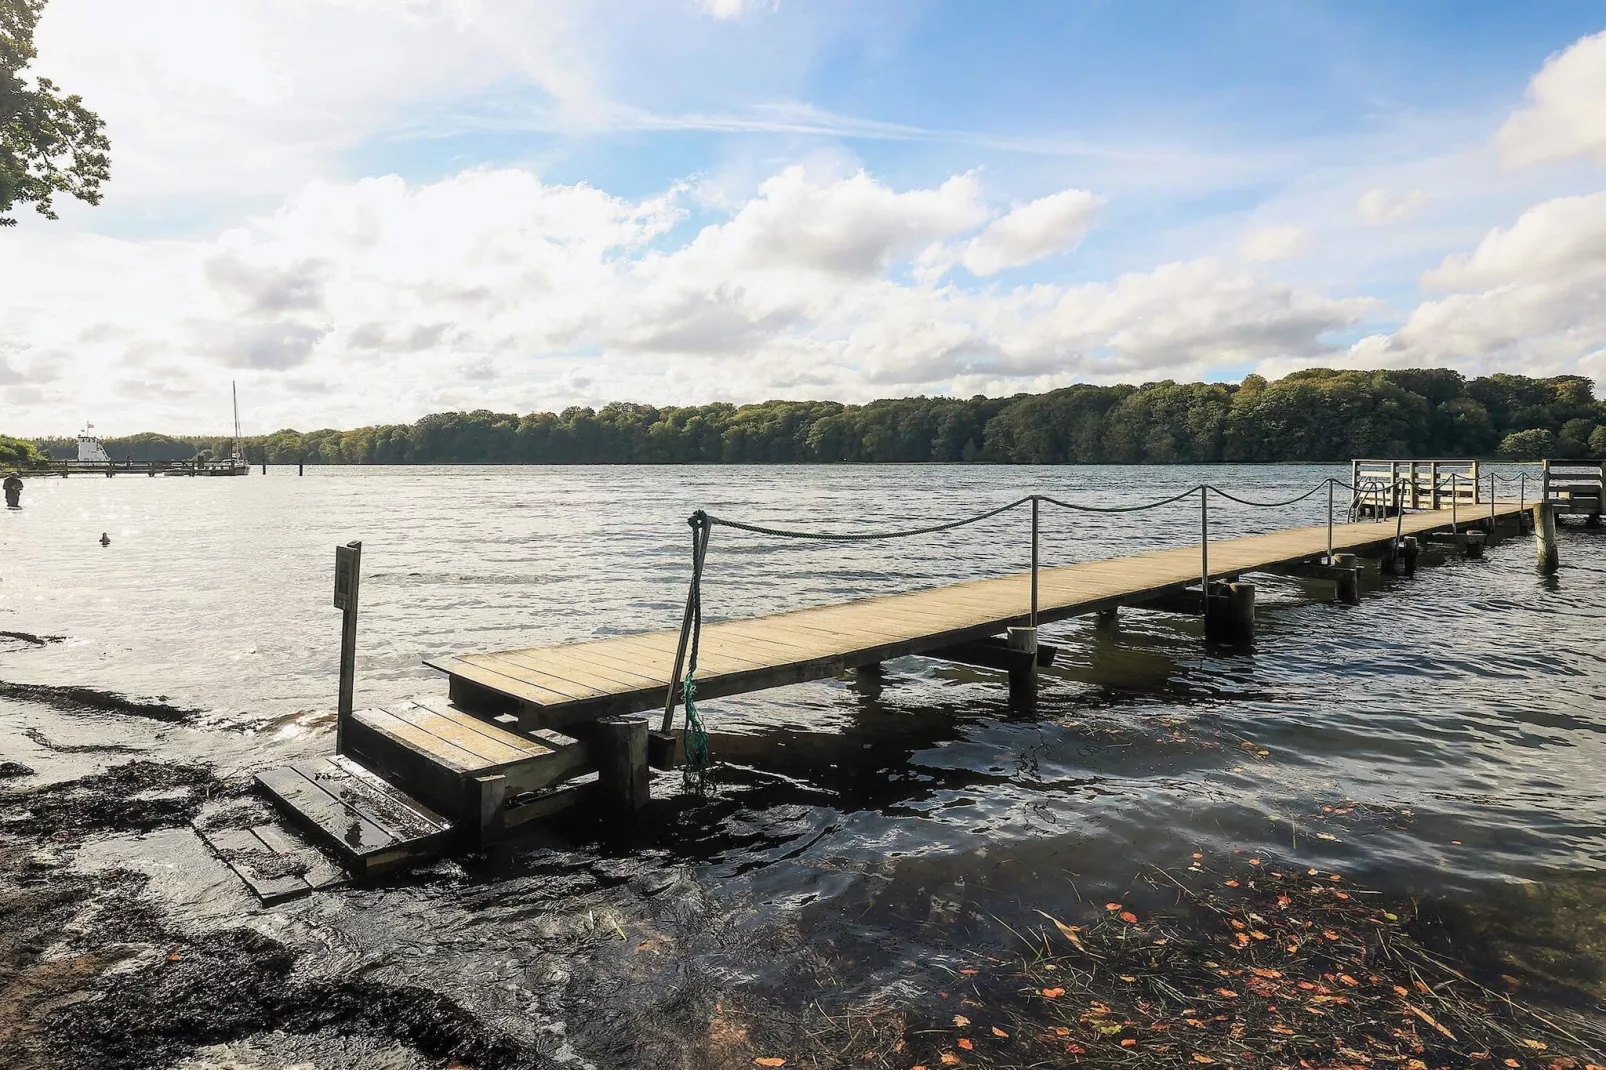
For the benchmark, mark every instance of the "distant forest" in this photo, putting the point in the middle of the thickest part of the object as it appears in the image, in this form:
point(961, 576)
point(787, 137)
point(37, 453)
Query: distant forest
point(1316, 415)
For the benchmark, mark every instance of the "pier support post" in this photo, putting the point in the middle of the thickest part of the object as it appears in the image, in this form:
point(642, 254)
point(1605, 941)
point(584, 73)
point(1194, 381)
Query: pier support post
point(487, 807)
point(1231, 619)
point(620, 744)
point(1107, 618)
point(1475, 543)
point(1410, 550)
point(1348, 579)
point(1544, 515)
point(1023, 678)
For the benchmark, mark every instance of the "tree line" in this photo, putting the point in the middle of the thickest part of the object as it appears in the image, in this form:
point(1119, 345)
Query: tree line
point(1315, 415)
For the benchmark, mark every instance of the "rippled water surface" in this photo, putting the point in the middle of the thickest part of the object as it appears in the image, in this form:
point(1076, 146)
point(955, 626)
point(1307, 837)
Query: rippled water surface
point(1455, 719)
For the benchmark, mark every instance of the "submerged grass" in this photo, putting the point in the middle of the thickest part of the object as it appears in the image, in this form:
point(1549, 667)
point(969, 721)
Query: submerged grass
point(1272, 966)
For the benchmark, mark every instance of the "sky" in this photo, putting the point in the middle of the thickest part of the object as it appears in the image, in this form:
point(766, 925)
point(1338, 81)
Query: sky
point(363, 211)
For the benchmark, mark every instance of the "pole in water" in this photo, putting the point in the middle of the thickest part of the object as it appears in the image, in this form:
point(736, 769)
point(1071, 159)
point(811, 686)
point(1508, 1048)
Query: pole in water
point(1204, 549)
point(1454, 530)
point(348, 576)
point(1034, 561)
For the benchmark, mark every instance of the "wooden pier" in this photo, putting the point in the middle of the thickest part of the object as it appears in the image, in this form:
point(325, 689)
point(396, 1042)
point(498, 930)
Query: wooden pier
point(521, 725)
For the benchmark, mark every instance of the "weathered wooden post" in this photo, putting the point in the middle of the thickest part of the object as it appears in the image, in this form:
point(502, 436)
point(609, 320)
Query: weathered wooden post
point(1544, 515)
point(1475, 543)
point(1023, 667)
point(301, 467)
point(620, 744)
point(1348, 579)
point(488, 808)
point(1231, 620)
point(1410, 550)
point(348, 576)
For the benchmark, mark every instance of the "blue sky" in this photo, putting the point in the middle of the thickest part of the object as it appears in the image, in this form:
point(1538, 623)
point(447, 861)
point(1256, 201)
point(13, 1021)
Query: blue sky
point(368, 210)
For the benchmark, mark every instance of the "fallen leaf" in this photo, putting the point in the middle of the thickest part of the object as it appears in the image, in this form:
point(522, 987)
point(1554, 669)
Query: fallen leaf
point(1229, 993)
point(1128, 917)
point(1061, 1031)
point(997, 1032)
point(1198, 1057)
point(950, 1059)
point(1112, 906)
point(1128, 978)
point(1330, 934)
point(768, 1060)
point(1196, 854)
point(969, 973)
point(1067, 931)
point(1053, 993)
point(964, 1042)
point(1230, 884)
point(961, 1021)
point(1129, 1043)
point(1434, 1022)
point(1254, 861)
point(1347, 979)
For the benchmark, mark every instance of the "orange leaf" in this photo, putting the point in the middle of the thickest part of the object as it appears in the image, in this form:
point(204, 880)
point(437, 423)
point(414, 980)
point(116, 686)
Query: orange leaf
point(1200, 1058)
point(1128, 917)
point(968, 973)
point(997, 1032)
point(768, 1060)
point(1112, 906)
point(961, 1021)
point(1067, 931)
point(1254, 861)
point(1347, 979)
point(1230, 884)
point(949, 1059)
point(964, 1042)
point(1229, 993)
point(1061, 1031)
point(1053, 993)
point(1129, 1043)
point(1330, 934)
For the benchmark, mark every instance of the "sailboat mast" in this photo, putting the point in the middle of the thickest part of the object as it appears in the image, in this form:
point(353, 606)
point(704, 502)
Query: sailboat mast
point(235, 391)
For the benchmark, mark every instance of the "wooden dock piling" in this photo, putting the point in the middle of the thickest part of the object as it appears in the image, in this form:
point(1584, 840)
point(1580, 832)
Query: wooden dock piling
point(1231, 620)
point(1544, 519)
point(1023, 674)
point(620, 745)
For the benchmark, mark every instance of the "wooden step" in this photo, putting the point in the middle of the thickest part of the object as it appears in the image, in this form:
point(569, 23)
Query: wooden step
point(273, 862)
point(370, 825)
point(440, 754)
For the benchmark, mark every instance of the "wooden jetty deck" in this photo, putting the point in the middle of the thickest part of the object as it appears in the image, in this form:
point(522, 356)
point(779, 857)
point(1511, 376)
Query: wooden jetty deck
point(412, 780)
point(560, 686)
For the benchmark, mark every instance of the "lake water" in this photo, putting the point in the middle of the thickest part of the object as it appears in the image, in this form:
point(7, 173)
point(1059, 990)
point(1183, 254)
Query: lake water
point(861, 831)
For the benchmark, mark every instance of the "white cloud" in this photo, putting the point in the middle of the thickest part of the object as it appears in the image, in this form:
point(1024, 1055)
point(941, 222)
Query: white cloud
point(1530, 298)
point(1273, 243)
point(1031, 231)
point(1378, 207)
point(1566, 116)
point(731, 9)
point(376, 300)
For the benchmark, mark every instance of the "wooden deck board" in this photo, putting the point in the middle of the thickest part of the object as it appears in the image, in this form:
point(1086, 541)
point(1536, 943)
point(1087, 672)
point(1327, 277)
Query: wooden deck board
point(629, 673)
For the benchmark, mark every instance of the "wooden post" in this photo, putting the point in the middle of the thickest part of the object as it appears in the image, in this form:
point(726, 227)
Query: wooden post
point(1329, 558)
point(1034, 561)
point(1475, 543)
point(301, 468)
point(620, 744)
point(348, 578)
point(1231, 620)
point(1023, 678)
point(488, 808)
point(1410, 550)
point(1349, 582)
point(1433, 473)
point(264, 467)
point(1545, 536)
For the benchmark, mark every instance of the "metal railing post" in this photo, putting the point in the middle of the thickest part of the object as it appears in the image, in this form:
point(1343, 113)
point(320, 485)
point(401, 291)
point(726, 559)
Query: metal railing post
point(1455, 497)
point(1329, 521)
point(1204, 547)
point(1034, 561)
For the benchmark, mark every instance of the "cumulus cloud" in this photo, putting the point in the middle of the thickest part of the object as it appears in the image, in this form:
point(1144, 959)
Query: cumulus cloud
point(1031, 231)
point(1273, 243)
point(1530, 297)
point(1565, 116)
point(1378, 207)
point(493, 288)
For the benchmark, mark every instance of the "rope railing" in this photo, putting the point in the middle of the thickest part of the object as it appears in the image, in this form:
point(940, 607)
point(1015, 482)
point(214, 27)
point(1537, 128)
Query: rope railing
point(1379, 492)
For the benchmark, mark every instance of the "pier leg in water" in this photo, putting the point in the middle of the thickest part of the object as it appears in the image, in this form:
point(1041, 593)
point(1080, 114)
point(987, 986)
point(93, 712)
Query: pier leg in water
point(1475, 543)
point(1410, 550)
point(1349, 581)
point(1545, 537)
point(621, 749)
point(490, 804)
point(1231, 620)
point(1023, 679)
point(1106, 619)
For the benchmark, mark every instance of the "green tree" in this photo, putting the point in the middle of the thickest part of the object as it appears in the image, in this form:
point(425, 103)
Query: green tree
point(1597, 442)
point(19, 453)
point(1534, 444)
point(49, 143)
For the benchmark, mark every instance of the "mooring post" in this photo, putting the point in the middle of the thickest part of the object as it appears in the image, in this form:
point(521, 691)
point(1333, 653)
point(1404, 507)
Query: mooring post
point(264, 467)
point(1023, 673)
point(1491, 502)
point(1454, 494)
point(1231, 620)
point(1475, 543)
point(1545, 536)
point(348, 577)
point(301, 467)
point(1348, 579)
point(620, 744)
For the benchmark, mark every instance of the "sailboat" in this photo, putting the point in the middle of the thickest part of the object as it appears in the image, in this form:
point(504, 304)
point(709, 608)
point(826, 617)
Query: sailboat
point(234, 464)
